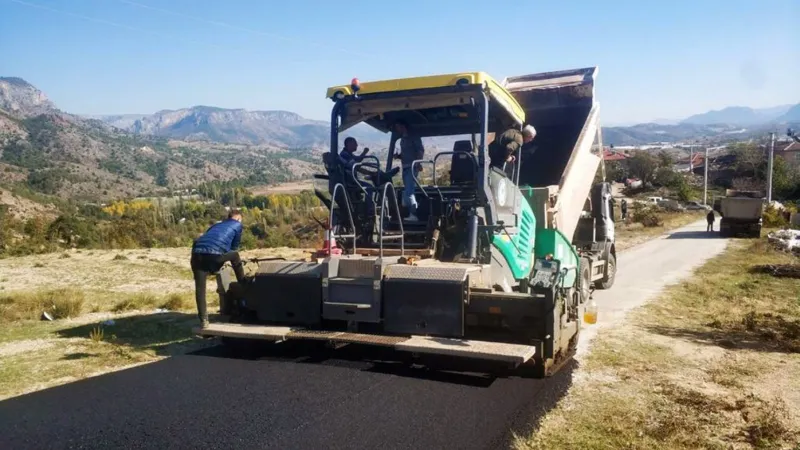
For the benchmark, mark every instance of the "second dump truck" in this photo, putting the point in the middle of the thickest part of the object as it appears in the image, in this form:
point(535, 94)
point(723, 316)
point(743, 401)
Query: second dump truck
point(499, 265)
point(741, 213)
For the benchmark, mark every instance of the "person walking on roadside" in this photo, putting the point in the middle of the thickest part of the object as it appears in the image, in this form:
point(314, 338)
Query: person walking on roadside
point(710, 219)
point(218, 245)
point(623, 207)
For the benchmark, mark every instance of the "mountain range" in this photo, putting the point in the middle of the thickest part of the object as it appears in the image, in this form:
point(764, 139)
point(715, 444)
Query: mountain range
point(103, 157)
point(284, 128)
point(744, 116)
point(236, 126)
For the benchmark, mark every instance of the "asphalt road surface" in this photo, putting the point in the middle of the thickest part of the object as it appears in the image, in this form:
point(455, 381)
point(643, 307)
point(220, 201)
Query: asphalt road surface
point(301, 396)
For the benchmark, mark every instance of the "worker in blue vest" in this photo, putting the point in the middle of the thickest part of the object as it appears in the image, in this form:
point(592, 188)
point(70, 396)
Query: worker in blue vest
point(218, 245)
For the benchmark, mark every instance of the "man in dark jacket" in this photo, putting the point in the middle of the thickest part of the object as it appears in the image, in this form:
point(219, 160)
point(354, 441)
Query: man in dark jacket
point(710, 220)
point(210, 251)
point(504, 149)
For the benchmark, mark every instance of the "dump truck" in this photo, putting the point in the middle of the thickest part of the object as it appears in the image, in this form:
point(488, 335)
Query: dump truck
point(499, 265)
point(741, 213)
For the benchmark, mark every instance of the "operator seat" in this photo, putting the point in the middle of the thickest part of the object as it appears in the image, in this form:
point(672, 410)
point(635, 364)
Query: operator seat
point(462, 169)
point(337, 173)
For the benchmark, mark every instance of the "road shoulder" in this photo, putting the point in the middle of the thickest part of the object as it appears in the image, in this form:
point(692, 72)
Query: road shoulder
point(713, 362)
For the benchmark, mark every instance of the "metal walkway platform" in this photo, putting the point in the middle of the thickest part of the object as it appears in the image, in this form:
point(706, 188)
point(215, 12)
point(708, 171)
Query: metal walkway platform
point(494, 351)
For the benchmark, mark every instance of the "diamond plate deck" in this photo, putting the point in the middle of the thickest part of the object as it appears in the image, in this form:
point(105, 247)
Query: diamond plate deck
point(422, 273)
point(495, 351)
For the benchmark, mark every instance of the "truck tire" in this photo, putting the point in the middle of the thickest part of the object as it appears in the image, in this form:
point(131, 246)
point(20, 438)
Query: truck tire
point(585, 280)
point(611, 273)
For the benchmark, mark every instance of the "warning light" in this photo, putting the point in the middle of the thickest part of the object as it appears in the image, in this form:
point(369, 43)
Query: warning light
point(355, 84)
point(548, 257)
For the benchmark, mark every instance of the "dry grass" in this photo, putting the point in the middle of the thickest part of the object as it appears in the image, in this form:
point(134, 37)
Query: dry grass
point(713, 364)
point(136, 302)
point(59, 303)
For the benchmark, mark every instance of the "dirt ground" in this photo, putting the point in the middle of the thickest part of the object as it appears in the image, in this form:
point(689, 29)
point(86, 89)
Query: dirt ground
point(293, 187)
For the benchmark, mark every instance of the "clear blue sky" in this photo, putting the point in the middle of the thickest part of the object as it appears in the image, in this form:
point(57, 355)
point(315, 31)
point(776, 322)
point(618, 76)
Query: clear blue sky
point(665, 59)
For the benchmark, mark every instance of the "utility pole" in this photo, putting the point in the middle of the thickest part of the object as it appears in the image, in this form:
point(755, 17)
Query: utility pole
point(769, 166)
point(705, 179)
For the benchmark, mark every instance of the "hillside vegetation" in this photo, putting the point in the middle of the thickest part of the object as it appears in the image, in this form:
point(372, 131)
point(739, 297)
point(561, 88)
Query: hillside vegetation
point(47, 151)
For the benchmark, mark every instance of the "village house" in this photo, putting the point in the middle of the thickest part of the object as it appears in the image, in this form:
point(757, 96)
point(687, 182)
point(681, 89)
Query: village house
point(789, 151)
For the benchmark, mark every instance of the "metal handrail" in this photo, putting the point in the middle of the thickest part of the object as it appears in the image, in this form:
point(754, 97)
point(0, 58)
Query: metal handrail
point(349, 216)
point(386, 186)
point(414, 176)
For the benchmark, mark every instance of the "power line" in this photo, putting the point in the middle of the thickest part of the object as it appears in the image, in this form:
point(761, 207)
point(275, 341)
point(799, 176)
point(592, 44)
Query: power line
point(243, 29)
point(113, 24)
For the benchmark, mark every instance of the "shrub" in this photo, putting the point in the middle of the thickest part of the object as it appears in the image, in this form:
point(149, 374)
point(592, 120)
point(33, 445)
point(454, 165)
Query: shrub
point(138, 301)
point(176, 302)
point(120, 257)
point(774, 217)
point(646, 215)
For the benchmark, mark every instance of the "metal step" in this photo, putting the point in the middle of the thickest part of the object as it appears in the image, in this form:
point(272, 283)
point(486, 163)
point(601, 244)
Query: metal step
point(352, 281)
point(464, 348)
point(496, 351)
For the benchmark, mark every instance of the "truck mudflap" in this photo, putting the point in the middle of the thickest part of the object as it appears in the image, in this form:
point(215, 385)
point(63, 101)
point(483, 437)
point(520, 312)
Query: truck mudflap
point(514, 354)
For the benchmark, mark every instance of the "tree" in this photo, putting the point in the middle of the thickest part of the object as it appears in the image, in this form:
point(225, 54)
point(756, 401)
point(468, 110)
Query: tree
point(665, 159)
point(666, 177)
point(750, 160)
point(643, 165)
point(616, 170)
point(785, 179)
point(684, 191)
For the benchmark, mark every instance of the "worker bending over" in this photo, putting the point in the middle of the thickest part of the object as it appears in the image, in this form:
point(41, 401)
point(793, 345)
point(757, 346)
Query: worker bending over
point(503, 150)
point(211, 251)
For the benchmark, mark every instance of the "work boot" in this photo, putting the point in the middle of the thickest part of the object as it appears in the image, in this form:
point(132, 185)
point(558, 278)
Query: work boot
point(204, 322)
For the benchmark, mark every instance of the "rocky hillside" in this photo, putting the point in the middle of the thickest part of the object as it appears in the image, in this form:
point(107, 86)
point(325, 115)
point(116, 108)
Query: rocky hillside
point(20, 98)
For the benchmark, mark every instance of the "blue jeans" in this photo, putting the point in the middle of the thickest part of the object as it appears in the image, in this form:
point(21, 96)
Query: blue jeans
point(408, 190)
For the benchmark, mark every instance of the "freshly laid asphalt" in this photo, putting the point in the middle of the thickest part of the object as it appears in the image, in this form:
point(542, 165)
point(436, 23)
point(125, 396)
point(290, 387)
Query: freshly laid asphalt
point(302, 396)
